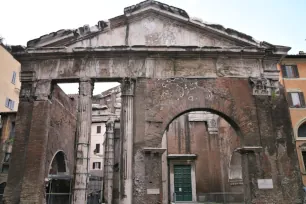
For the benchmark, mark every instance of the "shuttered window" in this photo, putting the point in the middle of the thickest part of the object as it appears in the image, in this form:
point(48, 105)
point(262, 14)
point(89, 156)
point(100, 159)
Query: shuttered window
point(14, 78)
point(290, 71)
point(296, 100)
point(9, 103)
point(96, 165)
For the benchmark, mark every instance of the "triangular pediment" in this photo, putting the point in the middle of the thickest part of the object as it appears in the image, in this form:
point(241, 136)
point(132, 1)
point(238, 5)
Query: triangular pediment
point(149, 23)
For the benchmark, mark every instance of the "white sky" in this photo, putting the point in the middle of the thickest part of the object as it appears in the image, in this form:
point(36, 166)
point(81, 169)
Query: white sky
point(73, 88)
point(280, 22)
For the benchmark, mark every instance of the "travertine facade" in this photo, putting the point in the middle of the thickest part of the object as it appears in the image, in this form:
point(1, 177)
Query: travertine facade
point(167, 64)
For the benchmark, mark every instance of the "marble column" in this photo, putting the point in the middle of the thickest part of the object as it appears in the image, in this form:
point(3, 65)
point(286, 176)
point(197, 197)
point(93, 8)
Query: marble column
point(127, 138)
point(83, 141)
point(109, 161)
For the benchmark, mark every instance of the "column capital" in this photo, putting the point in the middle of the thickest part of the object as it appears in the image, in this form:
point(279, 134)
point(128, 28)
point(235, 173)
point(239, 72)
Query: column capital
point(35, 90)
point(42, 90)
point(127, 87)
point(110, 124)
point(263, 86)
point(86, 86)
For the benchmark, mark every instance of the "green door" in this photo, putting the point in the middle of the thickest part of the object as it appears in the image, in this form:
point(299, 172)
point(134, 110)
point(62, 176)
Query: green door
point(182, 182)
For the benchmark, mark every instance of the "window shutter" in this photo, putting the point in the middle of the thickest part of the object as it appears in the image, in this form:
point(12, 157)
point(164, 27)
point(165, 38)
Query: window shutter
point(283, 67)
point(302, 99)
point(7, 102)
point(13, 104)
point(99, 164)
point(14, 78)
point(289, 99)
point(93, 165)
point(295, 71)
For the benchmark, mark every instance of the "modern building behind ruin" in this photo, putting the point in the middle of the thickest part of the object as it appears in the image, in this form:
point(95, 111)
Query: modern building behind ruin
point(293, 78)
point(168, 64)
point(106, 107)
point(9, 80)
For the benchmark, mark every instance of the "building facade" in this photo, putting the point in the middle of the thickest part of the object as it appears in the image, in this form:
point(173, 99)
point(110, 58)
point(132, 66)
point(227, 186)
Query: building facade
point(9, 81)
point(293, 78)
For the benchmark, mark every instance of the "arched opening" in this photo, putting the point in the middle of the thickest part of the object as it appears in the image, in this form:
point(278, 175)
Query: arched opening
point(58, 164)
point(302, 130)
point(201, 160)
point(58, 182)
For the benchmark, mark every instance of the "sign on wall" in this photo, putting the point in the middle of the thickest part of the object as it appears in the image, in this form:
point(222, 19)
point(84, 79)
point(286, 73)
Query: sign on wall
point(265, 183)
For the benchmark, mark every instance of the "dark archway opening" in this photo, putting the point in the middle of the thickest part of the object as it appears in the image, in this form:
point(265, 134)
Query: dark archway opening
point(58, 183)
point(201, 159)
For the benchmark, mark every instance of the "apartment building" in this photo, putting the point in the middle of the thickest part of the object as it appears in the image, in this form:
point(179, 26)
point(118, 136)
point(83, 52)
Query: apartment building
point(293, 78)
point(106, 107)
point(9, 81)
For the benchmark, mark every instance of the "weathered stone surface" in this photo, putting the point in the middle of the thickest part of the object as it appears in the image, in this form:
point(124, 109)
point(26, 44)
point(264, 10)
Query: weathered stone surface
point(40, 133)
point(172, 74)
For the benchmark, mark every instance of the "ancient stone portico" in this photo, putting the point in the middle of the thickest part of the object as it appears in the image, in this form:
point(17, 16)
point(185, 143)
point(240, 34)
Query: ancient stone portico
point(168, 64)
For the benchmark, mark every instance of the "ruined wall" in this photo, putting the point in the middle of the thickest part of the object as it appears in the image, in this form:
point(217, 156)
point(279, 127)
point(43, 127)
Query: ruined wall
point(62, 129)
point(165, 99)
point(278, 158)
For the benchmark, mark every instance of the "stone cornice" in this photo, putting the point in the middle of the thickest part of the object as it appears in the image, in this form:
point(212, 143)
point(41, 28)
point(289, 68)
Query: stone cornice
point(142, 51)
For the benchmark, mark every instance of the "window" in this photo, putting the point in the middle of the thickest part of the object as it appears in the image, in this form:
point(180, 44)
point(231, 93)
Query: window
point(14, 78)
point(302, 130)
point(9, 103)
point(97, 150)
point(96, 165)
point(290, 71)
point(296, 100)
point(99, 129)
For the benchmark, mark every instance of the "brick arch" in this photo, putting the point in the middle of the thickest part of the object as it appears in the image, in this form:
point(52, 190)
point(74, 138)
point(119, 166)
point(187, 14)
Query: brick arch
point(225, 117)
point(230, 98)
point(59, 161)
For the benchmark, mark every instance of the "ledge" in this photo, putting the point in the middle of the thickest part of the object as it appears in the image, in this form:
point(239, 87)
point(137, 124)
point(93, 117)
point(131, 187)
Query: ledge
point(249, 149)
point(153, 150)
point(182, 156)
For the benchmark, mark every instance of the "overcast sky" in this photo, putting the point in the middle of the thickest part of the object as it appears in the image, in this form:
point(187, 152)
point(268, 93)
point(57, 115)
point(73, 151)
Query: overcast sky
point(280, 22)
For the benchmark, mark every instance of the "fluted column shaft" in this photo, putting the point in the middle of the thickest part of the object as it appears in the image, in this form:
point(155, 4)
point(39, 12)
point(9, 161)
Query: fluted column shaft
point(83, 142)
point(127, 138)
